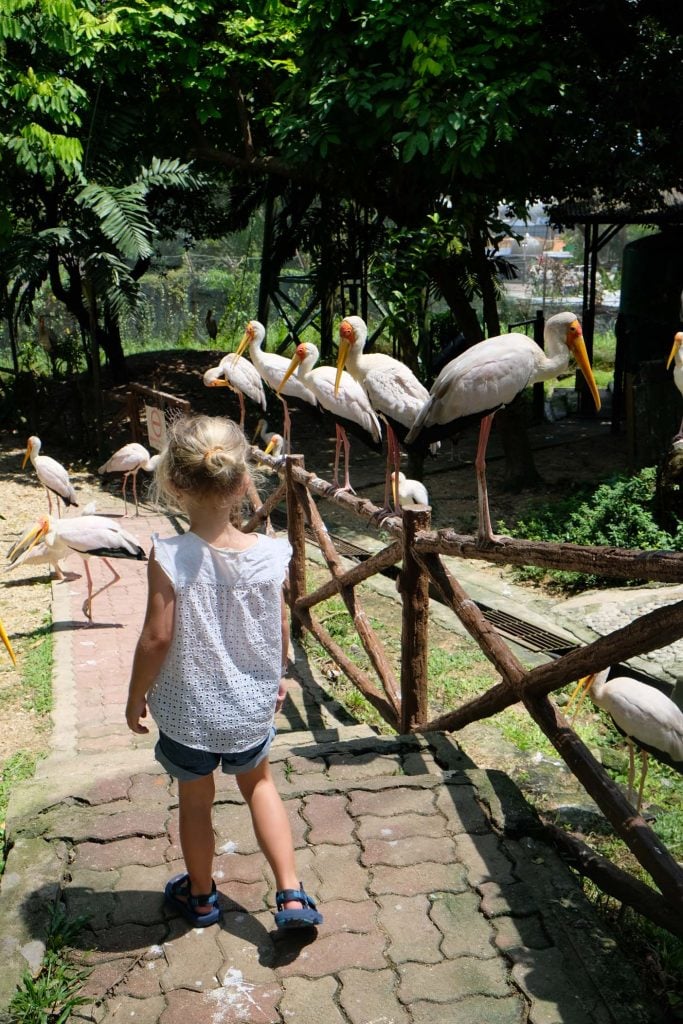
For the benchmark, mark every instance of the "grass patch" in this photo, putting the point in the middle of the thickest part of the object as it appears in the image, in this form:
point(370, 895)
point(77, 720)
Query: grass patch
point(51, 997)
point(19, 767)
point(36, 671)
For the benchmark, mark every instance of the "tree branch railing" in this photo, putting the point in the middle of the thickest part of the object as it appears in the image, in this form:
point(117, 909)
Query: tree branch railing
point(405, 706)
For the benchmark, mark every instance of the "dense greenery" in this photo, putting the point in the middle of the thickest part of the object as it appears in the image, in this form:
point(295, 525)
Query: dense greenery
point(619, 513)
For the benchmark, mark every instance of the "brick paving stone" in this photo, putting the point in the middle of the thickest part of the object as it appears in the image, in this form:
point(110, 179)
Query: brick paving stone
point(554, 996)
point(329, 819)
point(412, 936)
point(110, 742)
point(362, 766)
point(370, 996)
point(460, 807)
point(515, 898)
point(310, 1002)
point(120, 825)
point(144, 981)
point(236, 1001)
point(465, 931)
point(233, 828)
point(452, 980)
point(421, 763)
point(126, 939)
point(245, 941)
point(400, 826)
point(341, 876)
point(417, 878)
point(194, 960)
point(104, 977)
point(140, 895)
point(108, 856)
point(392, 802)
point(249, 896)
point(239, 867)
point(141, 1011)
point(334, 953)
point(297, 823)
point(344, 916)
point(472, 1010)
point(93, 904)
point(103, 791)
point(483, 858)
point(411, 850)
point(517, 933)
point(150, 789)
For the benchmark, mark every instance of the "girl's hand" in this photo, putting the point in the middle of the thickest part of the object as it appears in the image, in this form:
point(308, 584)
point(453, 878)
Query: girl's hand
point(281, 694)
point(135, 710)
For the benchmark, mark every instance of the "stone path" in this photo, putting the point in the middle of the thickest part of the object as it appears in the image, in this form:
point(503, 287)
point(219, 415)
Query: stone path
point(441, 902)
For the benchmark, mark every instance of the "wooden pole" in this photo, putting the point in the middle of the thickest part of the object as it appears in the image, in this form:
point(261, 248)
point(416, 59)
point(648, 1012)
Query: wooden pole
point(296, 528)
point(413, 586)
point(366, 634)
point(373, 565)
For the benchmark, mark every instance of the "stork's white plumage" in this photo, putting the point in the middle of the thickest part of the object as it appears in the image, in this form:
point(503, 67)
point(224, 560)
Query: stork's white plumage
point(240, 376)
point(129, 460)
point(488, 376)
point(345, 401)
point(646, 717)
point(677, 356)
point(87, 536)
point(272, 369)
point(395, 393)
point(408, 492)
point(51, 474)
point(262, 432)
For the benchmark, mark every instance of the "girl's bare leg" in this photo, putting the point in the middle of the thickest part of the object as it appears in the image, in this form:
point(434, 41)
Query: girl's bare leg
point(271, 825)
point(195, 803)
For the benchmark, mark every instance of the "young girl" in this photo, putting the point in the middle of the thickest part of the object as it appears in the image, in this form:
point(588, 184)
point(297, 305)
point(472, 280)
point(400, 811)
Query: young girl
point(208, 663)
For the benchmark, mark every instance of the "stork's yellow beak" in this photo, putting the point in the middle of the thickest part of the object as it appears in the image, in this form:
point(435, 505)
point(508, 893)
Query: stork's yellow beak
point(271, 444)
point(577, 347)
point(244, 342)
point(6, 641)
point(678, 340)
point(290, 370)
point(28, 540)
point(341, 361)
point(579, 694)
point(27, 455)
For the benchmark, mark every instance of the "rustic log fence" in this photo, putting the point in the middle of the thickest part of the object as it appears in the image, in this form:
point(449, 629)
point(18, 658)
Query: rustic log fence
point(404, 703)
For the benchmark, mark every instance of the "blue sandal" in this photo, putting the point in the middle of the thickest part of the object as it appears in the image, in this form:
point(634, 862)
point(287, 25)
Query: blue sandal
point(306, 917)
point(179, 886)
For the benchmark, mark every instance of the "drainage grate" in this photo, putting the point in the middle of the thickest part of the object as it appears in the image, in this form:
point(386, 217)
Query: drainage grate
point(526, 634)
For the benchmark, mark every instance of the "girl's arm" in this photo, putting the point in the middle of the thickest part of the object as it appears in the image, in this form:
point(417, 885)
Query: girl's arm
point(155, 640)
point(284, 621)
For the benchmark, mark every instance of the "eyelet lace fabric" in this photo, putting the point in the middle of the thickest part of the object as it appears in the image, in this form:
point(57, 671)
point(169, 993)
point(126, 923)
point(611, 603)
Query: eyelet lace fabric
point(217, 687)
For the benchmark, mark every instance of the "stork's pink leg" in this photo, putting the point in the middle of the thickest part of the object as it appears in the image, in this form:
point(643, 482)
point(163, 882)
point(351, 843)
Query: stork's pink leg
point(87, 605)
point(243, 411)
point(347, 452)
point(485, 533)
point(125, 505)
point(286, 427)
point(337, 451)
point(135, 492)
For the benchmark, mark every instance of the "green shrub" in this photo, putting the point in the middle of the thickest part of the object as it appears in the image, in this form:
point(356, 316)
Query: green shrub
point(619, 513)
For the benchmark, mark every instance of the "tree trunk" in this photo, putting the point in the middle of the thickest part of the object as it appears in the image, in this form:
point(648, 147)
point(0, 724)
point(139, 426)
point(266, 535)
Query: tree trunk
point(510, 426)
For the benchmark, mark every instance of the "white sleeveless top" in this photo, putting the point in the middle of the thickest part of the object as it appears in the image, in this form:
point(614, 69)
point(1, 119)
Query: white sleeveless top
point(217, 687)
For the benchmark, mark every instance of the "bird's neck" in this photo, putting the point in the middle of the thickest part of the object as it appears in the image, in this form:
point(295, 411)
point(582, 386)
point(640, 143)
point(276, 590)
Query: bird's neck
point(553, 361)
point(598, 685)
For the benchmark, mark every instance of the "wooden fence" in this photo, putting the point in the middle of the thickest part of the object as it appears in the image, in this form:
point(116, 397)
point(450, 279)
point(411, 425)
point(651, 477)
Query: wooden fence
point(403, 702)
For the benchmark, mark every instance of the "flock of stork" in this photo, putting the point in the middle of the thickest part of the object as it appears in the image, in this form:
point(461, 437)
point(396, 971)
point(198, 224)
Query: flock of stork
point(364, 390)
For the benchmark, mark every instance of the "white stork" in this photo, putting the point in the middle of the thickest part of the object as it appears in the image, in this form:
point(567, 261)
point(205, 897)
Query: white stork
point(395, 393)
point(408, 492)
point(272, 369)
point(677, 356)
point(51, 474)
point(488, 376)
point(345, 401)
point(129, 460)
point(241, 377)
point(643, 714)
point(87, 536)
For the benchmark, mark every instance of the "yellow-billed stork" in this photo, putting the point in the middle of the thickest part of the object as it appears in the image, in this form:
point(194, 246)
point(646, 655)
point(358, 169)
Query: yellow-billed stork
point(676, 355)
point(240, 376)
point(488, 376)
point(408, 492)
point(51, 474)
point(344, 400)
point(129, 460)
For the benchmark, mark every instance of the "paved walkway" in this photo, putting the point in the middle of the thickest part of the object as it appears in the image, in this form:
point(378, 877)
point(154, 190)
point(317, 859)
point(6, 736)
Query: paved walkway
point(441, 903)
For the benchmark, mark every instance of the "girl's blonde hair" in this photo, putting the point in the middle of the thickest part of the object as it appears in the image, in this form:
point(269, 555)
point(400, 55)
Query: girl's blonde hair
point(204, 456)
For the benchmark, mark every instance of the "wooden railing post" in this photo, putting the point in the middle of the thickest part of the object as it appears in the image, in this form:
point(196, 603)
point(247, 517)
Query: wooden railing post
point(296, 528)
point(413, 586)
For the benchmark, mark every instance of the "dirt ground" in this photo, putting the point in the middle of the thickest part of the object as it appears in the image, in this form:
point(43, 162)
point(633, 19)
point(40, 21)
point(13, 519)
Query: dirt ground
point(567, 454)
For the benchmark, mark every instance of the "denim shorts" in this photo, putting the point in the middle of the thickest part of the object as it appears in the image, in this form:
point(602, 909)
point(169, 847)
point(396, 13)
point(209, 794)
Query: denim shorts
point(187, 763)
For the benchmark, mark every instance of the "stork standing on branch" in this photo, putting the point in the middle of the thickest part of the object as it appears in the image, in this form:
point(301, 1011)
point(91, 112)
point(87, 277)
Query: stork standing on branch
point(240, 376)
point(487, 377)
point(676, 355)
point(272, 369)
point(51, 474)
point(343, 399)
